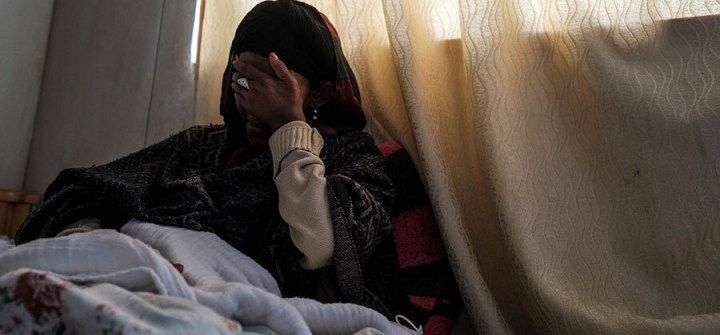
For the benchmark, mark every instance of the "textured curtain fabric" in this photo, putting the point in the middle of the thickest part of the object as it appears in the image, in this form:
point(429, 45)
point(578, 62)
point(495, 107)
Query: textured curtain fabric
point(571, 148)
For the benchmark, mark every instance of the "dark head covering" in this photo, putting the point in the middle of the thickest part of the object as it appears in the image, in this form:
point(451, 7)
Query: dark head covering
point(307, 42)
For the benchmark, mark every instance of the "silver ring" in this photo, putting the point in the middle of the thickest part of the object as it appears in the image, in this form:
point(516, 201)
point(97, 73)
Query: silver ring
point(244, 83)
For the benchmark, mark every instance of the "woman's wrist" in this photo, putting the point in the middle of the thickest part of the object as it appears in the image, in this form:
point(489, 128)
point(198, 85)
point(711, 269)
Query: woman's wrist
point(291, 136)
point(280, 121)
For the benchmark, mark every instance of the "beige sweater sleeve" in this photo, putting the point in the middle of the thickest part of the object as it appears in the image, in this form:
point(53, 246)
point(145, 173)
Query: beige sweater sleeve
point(304, 205)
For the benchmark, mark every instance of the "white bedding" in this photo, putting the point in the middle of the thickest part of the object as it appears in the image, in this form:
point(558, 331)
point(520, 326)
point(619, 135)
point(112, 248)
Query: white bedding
point(125, 282)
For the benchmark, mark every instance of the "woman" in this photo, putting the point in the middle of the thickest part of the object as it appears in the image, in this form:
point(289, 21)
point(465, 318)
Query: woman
point(290, 180)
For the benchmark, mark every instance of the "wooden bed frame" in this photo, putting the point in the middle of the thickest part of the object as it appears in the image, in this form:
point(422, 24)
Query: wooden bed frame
point(14, 207)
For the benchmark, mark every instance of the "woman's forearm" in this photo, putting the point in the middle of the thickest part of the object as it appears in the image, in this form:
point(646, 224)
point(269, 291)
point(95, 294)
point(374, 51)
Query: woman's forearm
point(302, 189)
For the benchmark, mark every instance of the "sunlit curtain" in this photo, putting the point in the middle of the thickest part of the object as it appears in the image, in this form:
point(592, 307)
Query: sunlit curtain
point(571, 148)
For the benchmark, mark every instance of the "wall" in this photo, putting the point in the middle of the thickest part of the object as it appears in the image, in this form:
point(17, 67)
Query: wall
point(24, 26)
point(118, 77)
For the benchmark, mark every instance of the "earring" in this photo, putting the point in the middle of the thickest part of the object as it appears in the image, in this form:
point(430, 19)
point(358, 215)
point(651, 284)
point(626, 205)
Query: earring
point(315, 114)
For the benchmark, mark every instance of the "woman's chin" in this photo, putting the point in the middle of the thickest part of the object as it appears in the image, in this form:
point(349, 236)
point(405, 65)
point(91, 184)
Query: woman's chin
point(257, 143)
point(258, 136)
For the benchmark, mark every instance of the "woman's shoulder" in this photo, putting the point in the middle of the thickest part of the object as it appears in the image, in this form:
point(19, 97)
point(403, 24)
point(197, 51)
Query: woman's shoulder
point(194, 136)
point(355, 147)
point(202, 138)
point(357, 140)
point(204, 145)
point(194, 148)
point(202, 135)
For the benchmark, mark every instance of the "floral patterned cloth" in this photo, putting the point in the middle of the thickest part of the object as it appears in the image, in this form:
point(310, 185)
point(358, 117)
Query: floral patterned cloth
point(36, 302)
point(152, 279)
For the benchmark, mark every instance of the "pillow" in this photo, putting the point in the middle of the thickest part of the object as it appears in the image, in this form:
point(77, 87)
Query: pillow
point(425, 273)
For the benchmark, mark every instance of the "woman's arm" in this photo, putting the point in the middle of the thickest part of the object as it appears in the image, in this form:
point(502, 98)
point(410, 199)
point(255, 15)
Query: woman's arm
point(361, 197)
point(302, 189)
point(107, 192)
point(340, 214)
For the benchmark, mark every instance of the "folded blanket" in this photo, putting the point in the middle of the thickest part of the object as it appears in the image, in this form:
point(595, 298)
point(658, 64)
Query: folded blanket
point(130, 282)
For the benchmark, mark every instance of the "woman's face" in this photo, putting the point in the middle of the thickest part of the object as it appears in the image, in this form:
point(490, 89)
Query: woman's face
point(258, 133)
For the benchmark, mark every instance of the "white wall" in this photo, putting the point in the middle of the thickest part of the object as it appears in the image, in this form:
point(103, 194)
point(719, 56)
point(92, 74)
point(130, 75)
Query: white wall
point(24, 26)
point(118, 77)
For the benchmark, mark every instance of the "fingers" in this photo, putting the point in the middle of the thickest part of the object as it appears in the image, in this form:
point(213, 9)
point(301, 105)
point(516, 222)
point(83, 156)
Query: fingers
point(244, 101)
point(248, 70)
point(240, 93)
point(281, 70)
point(239, 99)
point(237, 88)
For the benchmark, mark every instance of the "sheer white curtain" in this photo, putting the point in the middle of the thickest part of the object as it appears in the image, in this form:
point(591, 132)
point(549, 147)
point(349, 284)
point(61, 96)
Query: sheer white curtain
point(570, 148)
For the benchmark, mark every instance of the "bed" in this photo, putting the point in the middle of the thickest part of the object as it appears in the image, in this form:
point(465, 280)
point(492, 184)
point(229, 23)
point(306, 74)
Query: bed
point(148, 278)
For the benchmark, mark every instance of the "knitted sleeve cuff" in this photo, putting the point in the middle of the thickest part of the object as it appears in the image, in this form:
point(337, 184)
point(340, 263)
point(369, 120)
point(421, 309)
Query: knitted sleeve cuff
point(292, 136)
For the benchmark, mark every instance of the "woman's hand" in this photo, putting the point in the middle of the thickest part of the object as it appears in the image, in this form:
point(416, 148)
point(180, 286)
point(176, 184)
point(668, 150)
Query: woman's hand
point(273, 100)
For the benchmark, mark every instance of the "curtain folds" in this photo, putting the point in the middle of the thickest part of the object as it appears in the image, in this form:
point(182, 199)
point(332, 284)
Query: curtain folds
point(571, 148)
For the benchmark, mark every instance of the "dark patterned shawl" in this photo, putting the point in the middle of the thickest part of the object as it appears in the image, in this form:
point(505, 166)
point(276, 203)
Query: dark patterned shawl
point(186, 180)
point(180, 182)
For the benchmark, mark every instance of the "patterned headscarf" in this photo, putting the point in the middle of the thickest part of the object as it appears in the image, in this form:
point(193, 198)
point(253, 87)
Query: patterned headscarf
point(308, 43)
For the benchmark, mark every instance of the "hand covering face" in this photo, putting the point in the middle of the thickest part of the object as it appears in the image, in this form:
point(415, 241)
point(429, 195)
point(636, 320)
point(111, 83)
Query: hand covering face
point(308, 44)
